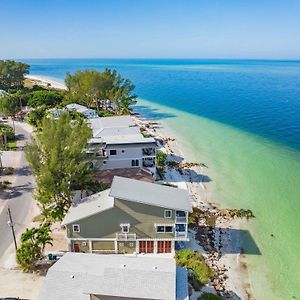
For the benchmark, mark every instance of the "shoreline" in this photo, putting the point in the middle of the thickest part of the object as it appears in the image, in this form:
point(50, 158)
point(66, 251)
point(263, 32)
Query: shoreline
point(232, 265)
point(46, 81)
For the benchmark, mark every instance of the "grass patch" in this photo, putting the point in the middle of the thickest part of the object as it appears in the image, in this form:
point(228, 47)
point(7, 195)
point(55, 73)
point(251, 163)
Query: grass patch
point(200, 273)
point(39, 218)
point(12, 145)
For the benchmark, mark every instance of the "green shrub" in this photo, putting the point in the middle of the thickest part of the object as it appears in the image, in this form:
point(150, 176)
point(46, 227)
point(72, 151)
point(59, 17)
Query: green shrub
point(195, 216)
point(195, 262)
point(161, 158)
point(210, 296)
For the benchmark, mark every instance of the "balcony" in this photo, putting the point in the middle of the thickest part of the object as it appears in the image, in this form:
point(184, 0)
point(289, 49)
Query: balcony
point(181, 231)
point(126, 236)
point(149, 162)
point(149, 152)
point(181, 217)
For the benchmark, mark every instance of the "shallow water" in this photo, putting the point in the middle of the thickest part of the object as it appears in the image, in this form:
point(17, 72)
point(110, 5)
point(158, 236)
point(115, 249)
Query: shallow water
point(241, 118)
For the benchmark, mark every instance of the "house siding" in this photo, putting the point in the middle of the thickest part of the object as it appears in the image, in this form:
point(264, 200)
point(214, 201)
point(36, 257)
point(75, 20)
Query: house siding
point(141, 218)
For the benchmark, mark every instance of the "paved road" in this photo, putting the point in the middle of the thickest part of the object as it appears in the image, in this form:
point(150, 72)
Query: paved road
point(20, 198)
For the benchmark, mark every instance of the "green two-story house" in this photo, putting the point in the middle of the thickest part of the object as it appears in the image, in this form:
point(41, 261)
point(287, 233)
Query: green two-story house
point(131, 217)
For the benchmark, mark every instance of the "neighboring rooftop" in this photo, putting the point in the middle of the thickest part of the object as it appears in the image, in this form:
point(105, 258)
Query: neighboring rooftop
point(150, 193)
point(76, 276)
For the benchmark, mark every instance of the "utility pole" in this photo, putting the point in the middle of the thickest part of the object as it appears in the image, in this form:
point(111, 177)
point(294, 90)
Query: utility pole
point(10, 223)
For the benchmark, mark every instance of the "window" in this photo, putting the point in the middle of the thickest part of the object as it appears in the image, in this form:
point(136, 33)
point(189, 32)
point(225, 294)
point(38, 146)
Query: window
point(168, 214)
point(135, 163)
point(160, 228)
point(76, 228)
point(113, 152)
point(125, 228)
point(169, 228)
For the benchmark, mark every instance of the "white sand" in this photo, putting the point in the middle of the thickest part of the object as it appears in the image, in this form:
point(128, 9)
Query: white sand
point(236, 271)
point(44, 80)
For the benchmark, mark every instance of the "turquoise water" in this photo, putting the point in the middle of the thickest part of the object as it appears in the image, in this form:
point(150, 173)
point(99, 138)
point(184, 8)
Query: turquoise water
point(241, 118)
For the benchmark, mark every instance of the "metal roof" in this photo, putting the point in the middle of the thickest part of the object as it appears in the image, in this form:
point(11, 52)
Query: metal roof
point(150, 193)
point(89, 206)
point(77, 275)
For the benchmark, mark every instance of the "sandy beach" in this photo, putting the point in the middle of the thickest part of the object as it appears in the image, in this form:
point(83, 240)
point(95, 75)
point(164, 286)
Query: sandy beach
point(225, 257)
point(46, 81)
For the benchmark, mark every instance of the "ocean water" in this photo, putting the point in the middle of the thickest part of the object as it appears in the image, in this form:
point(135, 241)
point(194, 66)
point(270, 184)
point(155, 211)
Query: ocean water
point(242, 119)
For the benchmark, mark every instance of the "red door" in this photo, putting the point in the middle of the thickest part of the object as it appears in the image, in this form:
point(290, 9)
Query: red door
point(168, 246)
point(142, 246)
point(146, 247)
point(164, 247)
point(160, 247)
point(150, 247)
point(76, 247)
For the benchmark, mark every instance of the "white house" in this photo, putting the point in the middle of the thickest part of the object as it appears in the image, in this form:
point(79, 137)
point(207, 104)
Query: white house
point(87, 112)
point(118, 143)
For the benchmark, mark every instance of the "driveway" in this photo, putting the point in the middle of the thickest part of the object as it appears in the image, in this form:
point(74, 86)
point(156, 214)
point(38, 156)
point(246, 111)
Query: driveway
point(20, 198)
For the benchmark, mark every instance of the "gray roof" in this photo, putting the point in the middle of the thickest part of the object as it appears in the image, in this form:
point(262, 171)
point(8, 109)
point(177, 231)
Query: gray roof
point(77, 275)
point(112, 122)
point(129, 190)
point(150, 193)
point(117, 130)
point(79, 108)
point(89, 206)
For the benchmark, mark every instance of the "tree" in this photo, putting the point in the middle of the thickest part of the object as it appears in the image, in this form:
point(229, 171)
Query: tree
point(12, 74)
point(95, 88)
point(48, 98)
point(9, 106)
point(58, 160)
point(35, 116)
point(33, 242)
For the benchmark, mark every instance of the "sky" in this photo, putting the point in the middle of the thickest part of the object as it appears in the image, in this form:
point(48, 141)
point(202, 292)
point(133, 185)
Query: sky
point(266, 29)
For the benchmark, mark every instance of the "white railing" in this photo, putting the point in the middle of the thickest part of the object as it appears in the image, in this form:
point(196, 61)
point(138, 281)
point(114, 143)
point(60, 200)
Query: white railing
point(181, 219)
point(126, 236)
point(182, 234)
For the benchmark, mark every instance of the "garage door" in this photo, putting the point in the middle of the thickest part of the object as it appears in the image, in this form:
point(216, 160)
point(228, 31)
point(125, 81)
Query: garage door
point(164, 247)
point(146, 246)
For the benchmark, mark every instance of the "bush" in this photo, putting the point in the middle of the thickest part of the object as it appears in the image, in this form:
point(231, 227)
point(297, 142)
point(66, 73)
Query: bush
point(32, 247)
point(161, 158)
point(210, 296)
point(195, 216)
point(195, 262)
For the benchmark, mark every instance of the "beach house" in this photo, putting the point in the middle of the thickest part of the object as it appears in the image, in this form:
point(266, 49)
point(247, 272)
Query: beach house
point(131, 217)
point(80, 276)
point(118, 143)
point(87, 112)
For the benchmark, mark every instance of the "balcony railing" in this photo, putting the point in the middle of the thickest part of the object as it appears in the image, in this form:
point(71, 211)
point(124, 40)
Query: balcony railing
point(180, 234)
point(149, 163)
point(126, 236)
point(148, 152)
point(181, 219)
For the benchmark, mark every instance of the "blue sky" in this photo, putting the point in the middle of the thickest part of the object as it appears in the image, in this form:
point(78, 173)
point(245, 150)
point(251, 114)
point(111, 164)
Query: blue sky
point(150, 29)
